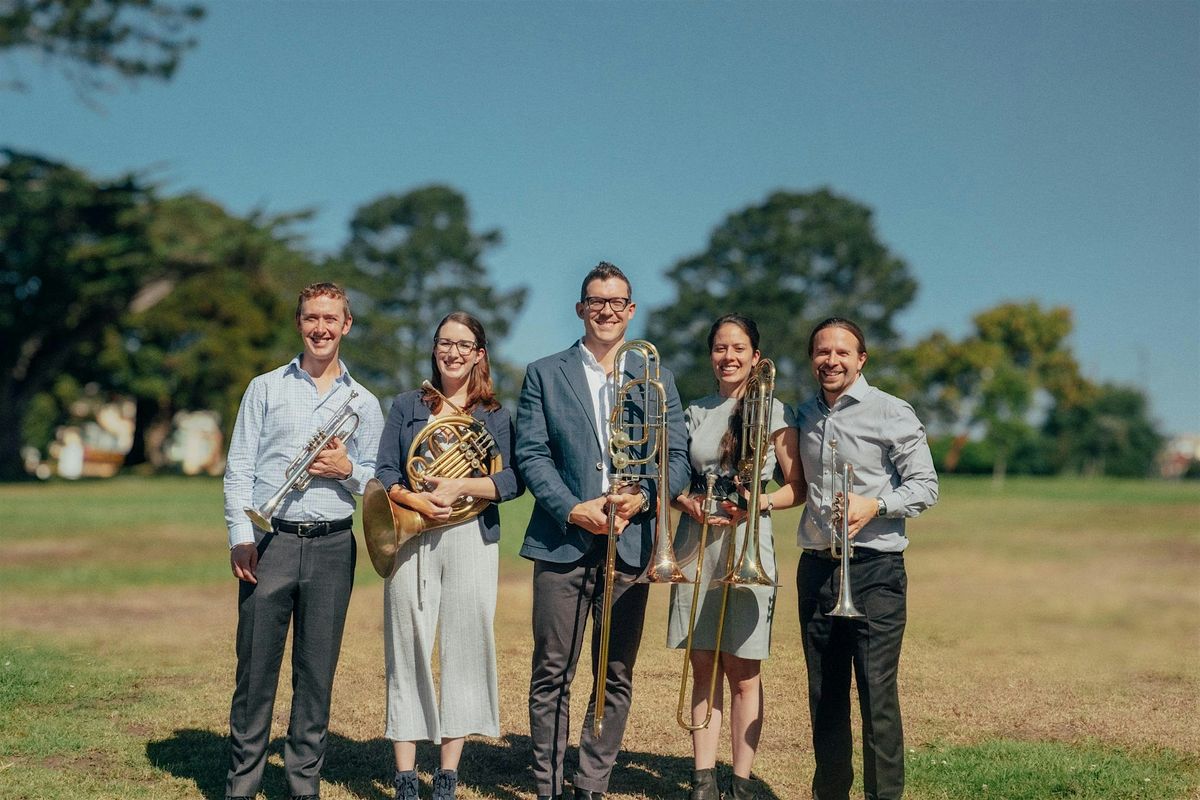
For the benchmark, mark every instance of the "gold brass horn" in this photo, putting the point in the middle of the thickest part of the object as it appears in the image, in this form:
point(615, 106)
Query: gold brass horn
point(756, 440)
point(841, 546)
point(648, 435)
point(709, 507)
point(459, 446)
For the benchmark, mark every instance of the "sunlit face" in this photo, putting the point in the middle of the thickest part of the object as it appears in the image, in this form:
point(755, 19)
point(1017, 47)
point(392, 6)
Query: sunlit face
point(454, 365)
point(836, 361)
point(733, 356)
point(322, 324)
point(605, 326)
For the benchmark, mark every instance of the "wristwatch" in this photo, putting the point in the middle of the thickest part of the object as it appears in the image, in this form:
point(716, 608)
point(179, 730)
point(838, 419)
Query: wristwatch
point(645, 500)
point(880, 506)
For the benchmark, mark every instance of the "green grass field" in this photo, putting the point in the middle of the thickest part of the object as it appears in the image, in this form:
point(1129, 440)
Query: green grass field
point(1053, 651)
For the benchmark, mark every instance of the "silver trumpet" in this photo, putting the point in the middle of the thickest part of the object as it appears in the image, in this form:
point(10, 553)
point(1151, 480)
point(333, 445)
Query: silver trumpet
point(840, 545)
point(341, 425)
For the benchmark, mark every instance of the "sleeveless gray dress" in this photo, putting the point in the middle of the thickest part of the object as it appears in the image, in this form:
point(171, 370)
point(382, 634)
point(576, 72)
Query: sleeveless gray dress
point(747, 632)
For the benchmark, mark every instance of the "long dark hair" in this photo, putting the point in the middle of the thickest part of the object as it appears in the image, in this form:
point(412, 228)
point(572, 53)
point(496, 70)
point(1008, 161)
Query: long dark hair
point(731, 442)
point(480, 391)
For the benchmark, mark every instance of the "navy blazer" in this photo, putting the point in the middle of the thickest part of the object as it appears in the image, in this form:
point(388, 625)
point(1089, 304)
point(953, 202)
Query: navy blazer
point(559, 456)
point(406, 419)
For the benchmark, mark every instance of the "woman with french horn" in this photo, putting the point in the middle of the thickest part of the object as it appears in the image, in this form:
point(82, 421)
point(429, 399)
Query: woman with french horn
point(444, 581)
point(734, 621)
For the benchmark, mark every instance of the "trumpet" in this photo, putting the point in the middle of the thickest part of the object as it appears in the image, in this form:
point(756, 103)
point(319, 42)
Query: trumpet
point(709, 508)
point(341, 425)
point(756, 432)
point(840, 544)
point(649, 434)
point(459, 446)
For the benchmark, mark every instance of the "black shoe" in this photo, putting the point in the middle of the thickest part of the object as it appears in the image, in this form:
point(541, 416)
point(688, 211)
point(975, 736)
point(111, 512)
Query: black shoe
point(704, 785)
point(743, 789)
point(445, 782)
point(406, 785)
point(305, 797)
point(584, 794)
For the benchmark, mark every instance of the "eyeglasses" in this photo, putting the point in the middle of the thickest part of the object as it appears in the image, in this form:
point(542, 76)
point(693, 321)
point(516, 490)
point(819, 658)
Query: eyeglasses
point(464, 347)
point(617, 304)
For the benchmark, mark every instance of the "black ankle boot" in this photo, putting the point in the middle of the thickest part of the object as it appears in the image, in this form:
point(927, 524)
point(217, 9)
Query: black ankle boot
point(743, 789)
point(704, 785)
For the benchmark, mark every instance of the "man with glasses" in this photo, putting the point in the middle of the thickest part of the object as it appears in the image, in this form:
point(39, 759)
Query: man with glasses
point(562, 453)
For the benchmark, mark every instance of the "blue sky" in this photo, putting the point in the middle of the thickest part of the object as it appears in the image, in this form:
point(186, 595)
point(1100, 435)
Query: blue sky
point(1010, 150)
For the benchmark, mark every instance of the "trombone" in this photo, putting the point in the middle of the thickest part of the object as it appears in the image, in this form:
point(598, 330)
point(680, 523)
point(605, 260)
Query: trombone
point(840, 544)
point(756, 435)
point(709, 507)
point(341, 425)
point(647, 435)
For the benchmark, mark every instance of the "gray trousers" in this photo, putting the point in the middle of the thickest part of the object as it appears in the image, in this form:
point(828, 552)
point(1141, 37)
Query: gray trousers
point(308, 582)
point(564, 596)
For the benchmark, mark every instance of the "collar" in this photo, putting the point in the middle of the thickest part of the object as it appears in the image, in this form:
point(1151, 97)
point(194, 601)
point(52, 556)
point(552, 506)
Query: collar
point(294, 368)
point(857, 392)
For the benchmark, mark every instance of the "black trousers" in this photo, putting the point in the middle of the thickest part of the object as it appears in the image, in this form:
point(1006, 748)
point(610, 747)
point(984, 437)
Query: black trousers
point(306, 582)
point(870, 647)
point(564, 596)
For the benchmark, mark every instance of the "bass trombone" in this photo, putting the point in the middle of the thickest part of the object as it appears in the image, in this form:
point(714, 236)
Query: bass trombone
point(633, 446)
point(341, 425)
point(709, 508)
point(757, 399)
point(459, 446)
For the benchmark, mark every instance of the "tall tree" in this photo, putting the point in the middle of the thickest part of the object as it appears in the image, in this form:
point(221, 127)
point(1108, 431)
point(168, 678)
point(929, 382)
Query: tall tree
point(1105, 430)
point(74, 253)
point(997, 384)
point(209, 331)
point(411, 259)
point(93, 40)
point(788, 263)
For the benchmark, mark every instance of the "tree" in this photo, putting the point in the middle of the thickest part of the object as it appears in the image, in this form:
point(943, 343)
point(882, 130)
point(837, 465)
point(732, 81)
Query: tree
point(410, 260)
point(788, 263)
point(173, 302)
point(92, 39)
point(74, 254)
point(997, 384)
point(228, 319)
point(1107, 430)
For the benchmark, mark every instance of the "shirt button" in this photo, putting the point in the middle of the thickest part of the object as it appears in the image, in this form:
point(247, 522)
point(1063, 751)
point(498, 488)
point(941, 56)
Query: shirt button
point(600, 465)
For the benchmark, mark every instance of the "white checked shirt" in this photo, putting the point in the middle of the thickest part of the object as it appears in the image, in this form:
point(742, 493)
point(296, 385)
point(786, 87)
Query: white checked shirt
point(280, 411)
point(600, 387)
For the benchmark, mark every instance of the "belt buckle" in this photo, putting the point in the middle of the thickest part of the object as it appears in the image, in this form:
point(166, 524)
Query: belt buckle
point(311, 530)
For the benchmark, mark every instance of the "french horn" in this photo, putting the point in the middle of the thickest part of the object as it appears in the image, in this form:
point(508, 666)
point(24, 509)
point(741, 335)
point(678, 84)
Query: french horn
point(453, 446)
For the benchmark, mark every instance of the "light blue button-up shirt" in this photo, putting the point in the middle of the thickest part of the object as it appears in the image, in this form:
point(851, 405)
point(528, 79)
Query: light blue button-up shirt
point(280, 412)
point(881, 437)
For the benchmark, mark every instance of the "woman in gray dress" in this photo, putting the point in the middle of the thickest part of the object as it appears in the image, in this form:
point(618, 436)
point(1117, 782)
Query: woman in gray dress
point(714, 426)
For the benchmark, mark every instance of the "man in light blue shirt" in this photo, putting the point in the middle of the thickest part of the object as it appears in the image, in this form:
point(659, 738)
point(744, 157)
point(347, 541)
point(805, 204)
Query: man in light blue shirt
point(303, 567)
point(881, 438)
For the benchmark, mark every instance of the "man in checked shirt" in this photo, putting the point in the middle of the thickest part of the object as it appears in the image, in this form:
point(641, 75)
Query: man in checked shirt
point(303, 569)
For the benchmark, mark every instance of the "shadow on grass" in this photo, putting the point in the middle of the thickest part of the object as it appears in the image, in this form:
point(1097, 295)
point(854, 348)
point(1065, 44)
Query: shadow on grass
point(498, 768)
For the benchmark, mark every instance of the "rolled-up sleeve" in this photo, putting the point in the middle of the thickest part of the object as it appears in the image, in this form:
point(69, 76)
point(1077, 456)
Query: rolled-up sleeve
point(909, 454)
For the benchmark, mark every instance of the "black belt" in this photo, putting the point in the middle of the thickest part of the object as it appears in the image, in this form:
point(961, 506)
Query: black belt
point(311, 530)
point(856, 553)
